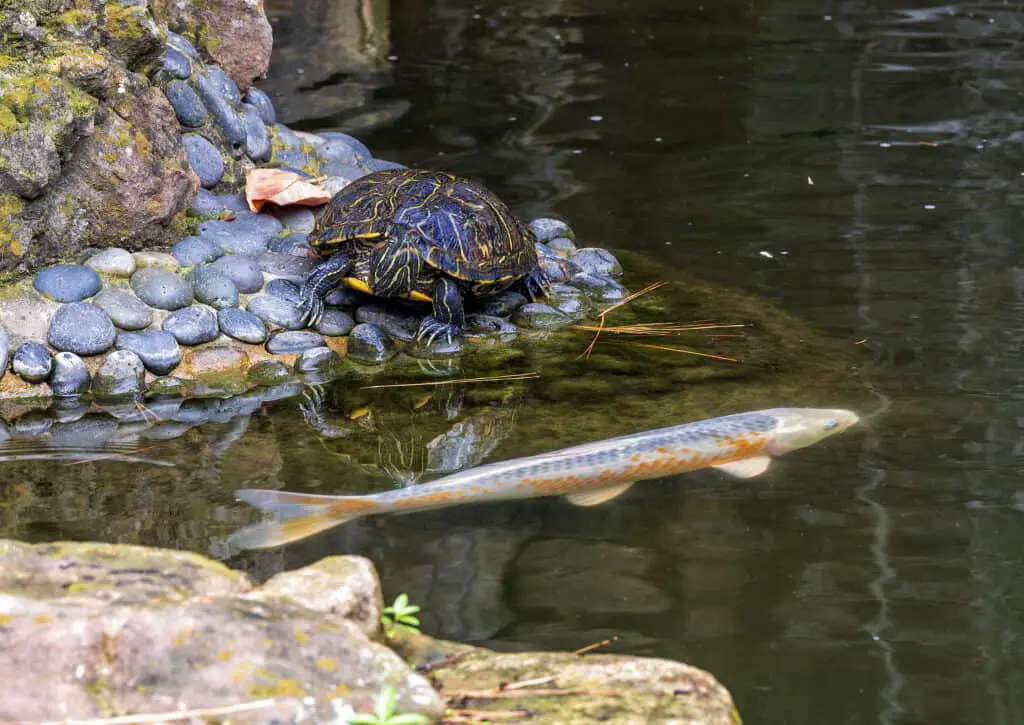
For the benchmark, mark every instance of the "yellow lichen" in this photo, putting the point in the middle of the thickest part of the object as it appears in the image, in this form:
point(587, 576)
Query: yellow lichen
point(326, 663)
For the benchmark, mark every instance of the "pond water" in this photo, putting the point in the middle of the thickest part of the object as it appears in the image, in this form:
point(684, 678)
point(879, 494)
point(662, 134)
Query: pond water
point(856, 166)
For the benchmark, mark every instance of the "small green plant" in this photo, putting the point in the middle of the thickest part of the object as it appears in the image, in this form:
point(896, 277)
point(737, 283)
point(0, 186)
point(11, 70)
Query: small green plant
point(400, 615)
point(384, 709)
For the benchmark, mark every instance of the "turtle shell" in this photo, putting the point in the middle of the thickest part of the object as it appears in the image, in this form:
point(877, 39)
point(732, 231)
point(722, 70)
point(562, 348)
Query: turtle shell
point(463, 229)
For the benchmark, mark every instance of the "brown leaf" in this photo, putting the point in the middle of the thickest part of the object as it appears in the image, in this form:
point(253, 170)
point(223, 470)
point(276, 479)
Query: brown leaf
point(283, 188)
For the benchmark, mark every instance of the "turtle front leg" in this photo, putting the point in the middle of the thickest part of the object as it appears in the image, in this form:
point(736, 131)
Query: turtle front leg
point(535, 285)
point(448, 317)
point(320, 281)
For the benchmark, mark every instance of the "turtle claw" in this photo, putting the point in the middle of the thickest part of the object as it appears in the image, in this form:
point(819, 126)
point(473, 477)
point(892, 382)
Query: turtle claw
point(312, 309)
point(432, 328)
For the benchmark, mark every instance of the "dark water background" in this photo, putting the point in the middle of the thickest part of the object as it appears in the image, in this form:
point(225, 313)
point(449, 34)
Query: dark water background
point(875, 152)
point(858, 165)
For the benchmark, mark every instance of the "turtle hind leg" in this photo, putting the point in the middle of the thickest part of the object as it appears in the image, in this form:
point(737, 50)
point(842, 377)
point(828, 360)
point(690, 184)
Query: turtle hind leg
point(448, 317)
point(394, 267)
point(535, 285)
point(320, 281)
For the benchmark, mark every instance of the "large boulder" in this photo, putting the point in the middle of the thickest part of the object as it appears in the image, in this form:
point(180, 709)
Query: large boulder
point(234, 34)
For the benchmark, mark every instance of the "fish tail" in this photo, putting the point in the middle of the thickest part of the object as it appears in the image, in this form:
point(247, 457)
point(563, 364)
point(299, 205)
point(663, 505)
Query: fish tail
point(295, 516)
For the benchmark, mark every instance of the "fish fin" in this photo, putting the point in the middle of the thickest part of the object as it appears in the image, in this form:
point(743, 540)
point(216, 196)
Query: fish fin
point(296, 516)
point(746, 468)
point(596, 496)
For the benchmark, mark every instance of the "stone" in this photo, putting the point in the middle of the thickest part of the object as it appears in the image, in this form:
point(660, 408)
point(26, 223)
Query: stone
point(125, 310)
point(224, 84)
point(67, 282)
point(283, 289)
point(5, 350)
point(345, 297)
point(342, 146)
point(268, 372)
point(568, 300)
point(439, 347)
point(276, 311)
point(176, 63)
point(338, 178)
point(501, 304)
point(32, 362)
point(287, 341)
point(549, 228)
point(488, 328)
point(157, 349)
point(81, 328)
point(226, 117)
point(242, 325)
point(296, 245)
point(161, 288)
point(208, 204)
point(193, 250)
point(114, 261)
point(167, 385)
point(370, 344)
point(163, 260)
point(291, 159)
point(242, 270)
point(286, 137)
point(214, 289)
point(70, 376)
point(383, 165)
point(539, 316)
point(317, 360)
point(186, 104)
point(601, 288)
point(334, 323)
point(261, 102)
point(181, 44)
point(205, 160)
point(235, 203)
point(34, 424)
point(556, 269)
point(192, 325)
point(121, 374)
point(88, 431)
point(288, 266)
point(395, 325)
point(241, 236)
point(598, 262)
point(295, 218)
point(562, 246)
point(257, 140)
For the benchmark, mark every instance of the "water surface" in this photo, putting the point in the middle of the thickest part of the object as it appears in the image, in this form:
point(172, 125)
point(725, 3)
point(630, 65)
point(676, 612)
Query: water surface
point(855, 165)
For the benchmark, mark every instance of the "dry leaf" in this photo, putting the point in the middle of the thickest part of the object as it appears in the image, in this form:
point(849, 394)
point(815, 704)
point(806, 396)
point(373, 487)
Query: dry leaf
point(274, 186)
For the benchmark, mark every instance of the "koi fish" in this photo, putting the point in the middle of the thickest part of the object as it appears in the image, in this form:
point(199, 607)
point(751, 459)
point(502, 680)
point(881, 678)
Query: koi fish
point(742, 445)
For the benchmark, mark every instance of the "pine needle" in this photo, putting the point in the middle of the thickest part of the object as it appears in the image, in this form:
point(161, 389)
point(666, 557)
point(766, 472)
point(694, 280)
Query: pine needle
point(679, 349)
point(603, 314)
point(652, 328)
point(433, 383)
point(171, 716)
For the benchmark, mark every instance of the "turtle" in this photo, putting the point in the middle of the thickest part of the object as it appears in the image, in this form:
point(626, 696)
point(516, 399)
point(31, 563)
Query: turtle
point(427, 236)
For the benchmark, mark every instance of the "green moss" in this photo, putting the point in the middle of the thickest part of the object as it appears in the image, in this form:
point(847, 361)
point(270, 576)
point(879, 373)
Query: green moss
point(10, 207)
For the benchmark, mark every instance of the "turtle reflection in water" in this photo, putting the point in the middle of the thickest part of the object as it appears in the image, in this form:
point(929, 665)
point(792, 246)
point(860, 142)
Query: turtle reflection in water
point(413, 433)
point(421, 235)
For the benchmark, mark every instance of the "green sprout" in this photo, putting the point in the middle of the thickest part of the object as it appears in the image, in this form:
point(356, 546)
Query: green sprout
point(400, 616)
point(384, 709)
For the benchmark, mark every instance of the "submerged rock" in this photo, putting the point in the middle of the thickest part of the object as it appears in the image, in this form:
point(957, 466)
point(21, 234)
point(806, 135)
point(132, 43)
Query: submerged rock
point(317, 360)
point(539, 316)
point(369, 344)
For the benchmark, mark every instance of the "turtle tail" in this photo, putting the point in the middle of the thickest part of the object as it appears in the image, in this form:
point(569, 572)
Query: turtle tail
point(295, 516)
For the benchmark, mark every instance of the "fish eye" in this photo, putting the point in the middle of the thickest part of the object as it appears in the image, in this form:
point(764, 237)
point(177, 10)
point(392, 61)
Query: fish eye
point(830, 424)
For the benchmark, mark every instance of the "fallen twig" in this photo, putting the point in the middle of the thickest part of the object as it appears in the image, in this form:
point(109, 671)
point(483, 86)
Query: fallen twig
point(679, 349)
point(596, 645)
point(465, 715)
point(443, 662)
point(505, 694)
